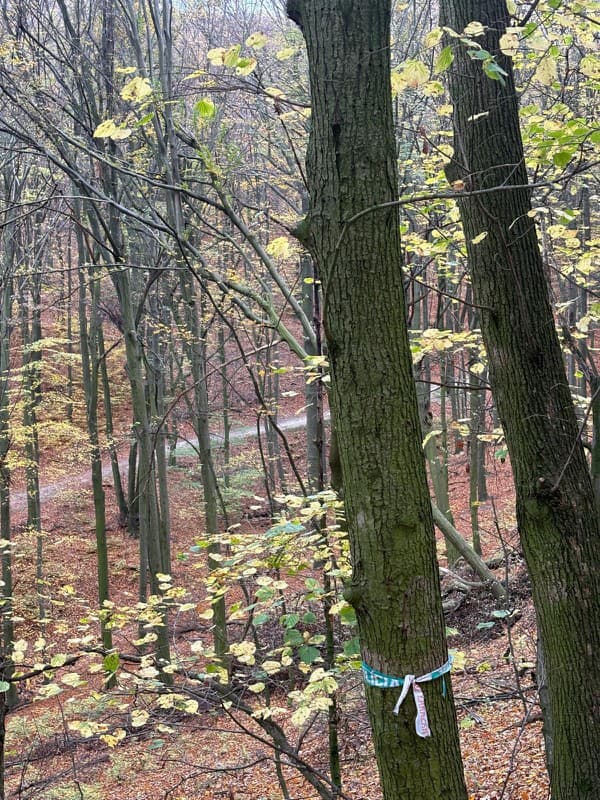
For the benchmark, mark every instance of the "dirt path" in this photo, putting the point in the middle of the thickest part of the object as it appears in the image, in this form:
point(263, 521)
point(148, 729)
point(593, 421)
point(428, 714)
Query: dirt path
point(185, 447)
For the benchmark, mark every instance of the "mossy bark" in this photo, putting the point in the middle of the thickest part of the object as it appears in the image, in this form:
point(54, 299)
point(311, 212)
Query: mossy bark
point(557, 516)
point(394, 589)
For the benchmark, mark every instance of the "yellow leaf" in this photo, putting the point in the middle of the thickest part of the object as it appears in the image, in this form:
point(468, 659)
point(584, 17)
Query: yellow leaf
point(121, 133)
point(245, 66)
point(479, 238)
point(398, 83)
point(271, 667)
point(139, 717)
point(474, 29)
point(105, 129)
point(108, 130)
point(216, 56)
point(433, 37)
point(165, 729)
point(285, 53)
point(546, 73)
point(300, 716)
point(279, 247)
point(49, 690)
point(136, 89)
point(590, 66)
point(256, 40)
point(273, 91)
point(72, 679)
point(198, 73)
point(113, 739)
point(414, 73)
point(459, 659)
point(509, 43)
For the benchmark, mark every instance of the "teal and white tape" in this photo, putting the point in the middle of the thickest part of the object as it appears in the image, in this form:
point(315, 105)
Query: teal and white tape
point(373, 677)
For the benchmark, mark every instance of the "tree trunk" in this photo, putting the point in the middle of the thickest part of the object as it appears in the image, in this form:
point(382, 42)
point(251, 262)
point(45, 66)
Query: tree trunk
point(394, 587)
point(88, 339)
point(555, 502)
point(120, 498)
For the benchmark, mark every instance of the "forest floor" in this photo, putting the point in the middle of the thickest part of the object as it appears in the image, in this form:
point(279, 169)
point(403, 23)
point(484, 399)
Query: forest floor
point(207, 755)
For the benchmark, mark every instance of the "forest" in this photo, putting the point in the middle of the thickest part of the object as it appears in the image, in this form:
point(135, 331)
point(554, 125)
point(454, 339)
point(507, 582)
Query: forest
point(299, 400)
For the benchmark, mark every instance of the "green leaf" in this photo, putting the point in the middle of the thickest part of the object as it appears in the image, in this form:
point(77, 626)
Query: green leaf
point(444, 60)
point(313, 585)
point(289, 620)
point(156, 744)
point(483, 626)
point(348, 615)
point(245, 66)
point(205, 108)
point(111, 662)
point(479, 55)
point(308, 654)
point(260, 619)
point(309, 618)
point(562, 158)
point(293, 637)
point(145, 119)
point(501, 613)
point(4, 686)
point(352, 647)
point(285, 527)
point(231, 56)
point(494, 71)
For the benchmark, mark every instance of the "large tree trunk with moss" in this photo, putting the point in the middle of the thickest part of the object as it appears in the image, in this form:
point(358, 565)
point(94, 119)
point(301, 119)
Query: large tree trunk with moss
point(557, 515)
point(394, 589)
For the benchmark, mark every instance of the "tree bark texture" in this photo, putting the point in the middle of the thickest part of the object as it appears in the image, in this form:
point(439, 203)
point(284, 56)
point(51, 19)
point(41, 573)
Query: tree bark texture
point(394, 589)
point(557, 516)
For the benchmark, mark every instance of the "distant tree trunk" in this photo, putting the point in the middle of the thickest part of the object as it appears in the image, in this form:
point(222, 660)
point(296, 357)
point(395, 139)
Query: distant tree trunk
point(394, 588)
point(12, 194)
point(476, 403)
point(195, 347)
point(313, 390)
point(155, 383)
point(225, 401)
point(88, 338)
point(120, 498)
point(557, 516)
point(31, 333)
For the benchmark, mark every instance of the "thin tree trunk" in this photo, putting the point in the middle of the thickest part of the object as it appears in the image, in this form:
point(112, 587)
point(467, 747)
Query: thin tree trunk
point(109, 427)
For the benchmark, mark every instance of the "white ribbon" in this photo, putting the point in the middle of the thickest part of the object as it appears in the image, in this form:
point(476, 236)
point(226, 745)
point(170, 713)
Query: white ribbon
point(380, 680)
point(421, 721)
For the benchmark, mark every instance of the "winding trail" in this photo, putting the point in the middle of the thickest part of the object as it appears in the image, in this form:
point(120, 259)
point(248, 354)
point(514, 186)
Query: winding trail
point(185, 447)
